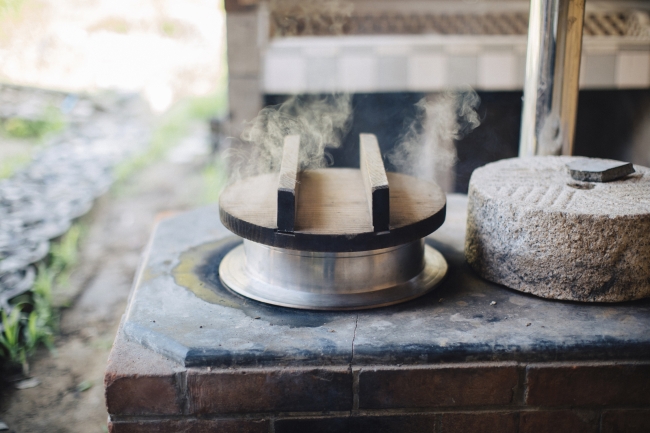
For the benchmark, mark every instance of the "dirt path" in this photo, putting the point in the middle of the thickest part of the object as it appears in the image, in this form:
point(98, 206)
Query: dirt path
point(118, 229)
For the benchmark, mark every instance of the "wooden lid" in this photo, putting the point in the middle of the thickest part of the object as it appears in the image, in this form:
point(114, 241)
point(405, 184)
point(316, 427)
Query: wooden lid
point(334, 210)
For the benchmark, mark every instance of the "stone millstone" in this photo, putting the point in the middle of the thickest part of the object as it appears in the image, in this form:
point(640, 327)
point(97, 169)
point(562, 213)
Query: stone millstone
point(533, 228)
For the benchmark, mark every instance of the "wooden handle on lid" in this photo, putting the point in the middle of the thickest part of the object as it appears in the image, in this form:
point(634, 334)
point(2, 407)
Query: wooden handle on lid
point(375, 182)
point(288, 184)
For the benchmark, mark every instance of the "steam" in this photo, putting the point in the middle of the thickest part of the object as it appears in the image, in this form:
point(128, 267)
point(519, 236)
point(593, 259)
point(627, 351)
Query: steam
point(427, 149)
point(320, 121)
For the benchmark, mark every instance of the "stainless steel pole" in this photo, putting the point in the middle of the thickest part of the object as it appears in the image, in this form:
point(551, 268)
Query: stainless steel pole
point(552, 73)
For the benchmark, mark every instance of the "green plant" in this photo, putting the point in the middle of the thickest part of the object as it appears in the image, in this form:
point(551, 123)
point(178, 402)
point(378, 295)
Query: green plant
point(43, 282)
point(64, 253)
point(46, 316)
point(38, 330)
point(33, 320)
point(17, 345)
point(10, 336)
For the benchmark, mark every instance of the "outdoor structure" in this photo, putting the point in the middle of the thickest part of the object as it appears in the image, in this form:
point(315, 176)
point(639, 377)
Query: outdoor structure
point(391, 54)
point(363, 46)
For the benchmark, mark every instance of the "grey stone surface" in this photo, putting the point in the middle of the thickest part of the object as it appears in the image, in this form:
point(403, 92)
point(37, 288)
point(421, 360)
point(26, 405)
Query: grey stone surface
point(533, 228)
point(178, 308)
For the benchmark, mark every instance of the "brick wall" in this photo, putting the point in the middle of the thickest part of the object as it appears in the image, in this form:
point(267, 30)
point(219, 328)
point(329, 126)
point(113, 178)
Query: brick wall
point(603, 397)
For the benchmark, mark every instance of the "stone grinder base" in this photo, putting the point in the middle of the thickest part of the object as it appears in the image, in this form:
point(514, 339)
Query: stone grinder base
point(471, 356)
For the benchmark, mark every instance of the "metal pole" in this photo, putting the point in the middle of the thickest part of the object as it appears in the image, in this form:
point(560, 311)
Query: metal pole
point(552, 73)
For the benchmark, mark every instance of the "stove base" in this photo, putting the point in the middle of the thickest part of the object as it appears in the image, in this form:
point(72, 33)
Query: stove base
point(332, 281)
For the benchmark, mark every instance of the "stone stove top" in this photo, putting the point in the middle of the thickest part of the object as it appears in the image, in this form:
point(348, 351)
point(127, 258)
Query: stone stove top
point(179, 309)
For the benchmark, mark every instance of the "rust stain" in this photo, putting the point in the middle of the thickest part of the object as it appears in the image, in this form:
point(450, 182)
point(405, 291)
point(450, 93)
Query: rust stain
point(188, 273)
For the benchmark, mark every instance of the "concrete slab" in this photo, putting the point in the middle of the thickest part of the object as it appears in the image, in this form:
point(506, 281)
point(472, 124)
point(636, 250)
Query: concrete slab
point(179, 309)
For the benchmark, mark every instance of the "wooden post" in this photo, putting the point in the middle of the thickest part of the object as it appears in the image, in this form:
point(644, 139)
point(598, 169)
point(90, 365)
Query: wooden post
point(375, 182)
point(288, 184)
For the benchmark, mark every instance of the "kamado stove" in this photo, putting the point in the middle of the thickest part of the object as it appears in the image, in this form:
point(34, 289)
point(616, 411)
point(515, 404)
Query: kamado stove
point(207, 343)
point(334, 238)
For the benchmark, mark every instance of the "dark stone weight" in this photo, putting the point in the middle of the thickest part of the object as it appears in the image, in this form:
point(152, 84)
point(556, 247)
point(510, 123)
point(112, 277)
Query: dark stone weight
point(599, 170)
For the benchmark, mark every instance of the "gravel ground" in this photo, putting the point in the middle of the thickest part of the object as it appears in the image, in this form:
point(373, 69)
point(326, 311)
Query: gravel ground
point(119, 227)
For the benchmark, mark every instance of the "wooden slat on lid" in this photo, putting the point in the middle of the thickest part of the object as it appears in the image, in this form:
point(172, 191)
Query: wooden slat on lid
point(375, 182)
point(288, 184)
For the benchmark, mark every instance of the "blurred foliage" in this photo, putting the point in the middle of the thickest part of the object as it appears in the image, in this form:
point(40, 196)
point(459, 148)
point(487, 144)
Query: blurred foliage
point(51, 122)
point(65, 253)
point(168, 28)
point(8, 7)
point(215, 178)
point(10, 164)
point(112, 24)
point(33, 320)
point(31, 133)
point(85, 385)
point(10, 336)
point(170, 129)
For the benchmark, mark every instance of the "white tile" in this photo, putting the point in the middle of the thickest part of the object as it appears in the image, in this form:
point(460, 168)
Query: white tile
point(391, 73)
point(284, 74)
point(462, 71)
point(427, 72)
point(357, 73)
point(331, 50)
point(633, 69)
point(394, 49)
point(520, 70)
point(322, 74)
point(497, 71)
point(600, 71)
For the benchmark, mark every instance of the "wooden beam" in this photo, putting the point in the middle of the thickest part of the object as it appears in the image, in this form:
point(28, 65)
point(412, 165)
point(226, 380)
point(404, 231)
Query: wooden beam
point(288, 184)
point(375, 182)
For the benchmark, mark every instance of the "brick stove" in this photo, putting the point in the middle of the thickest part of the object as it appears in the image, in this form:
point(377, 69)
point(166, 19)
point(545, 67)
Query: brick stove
point(471, 356)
